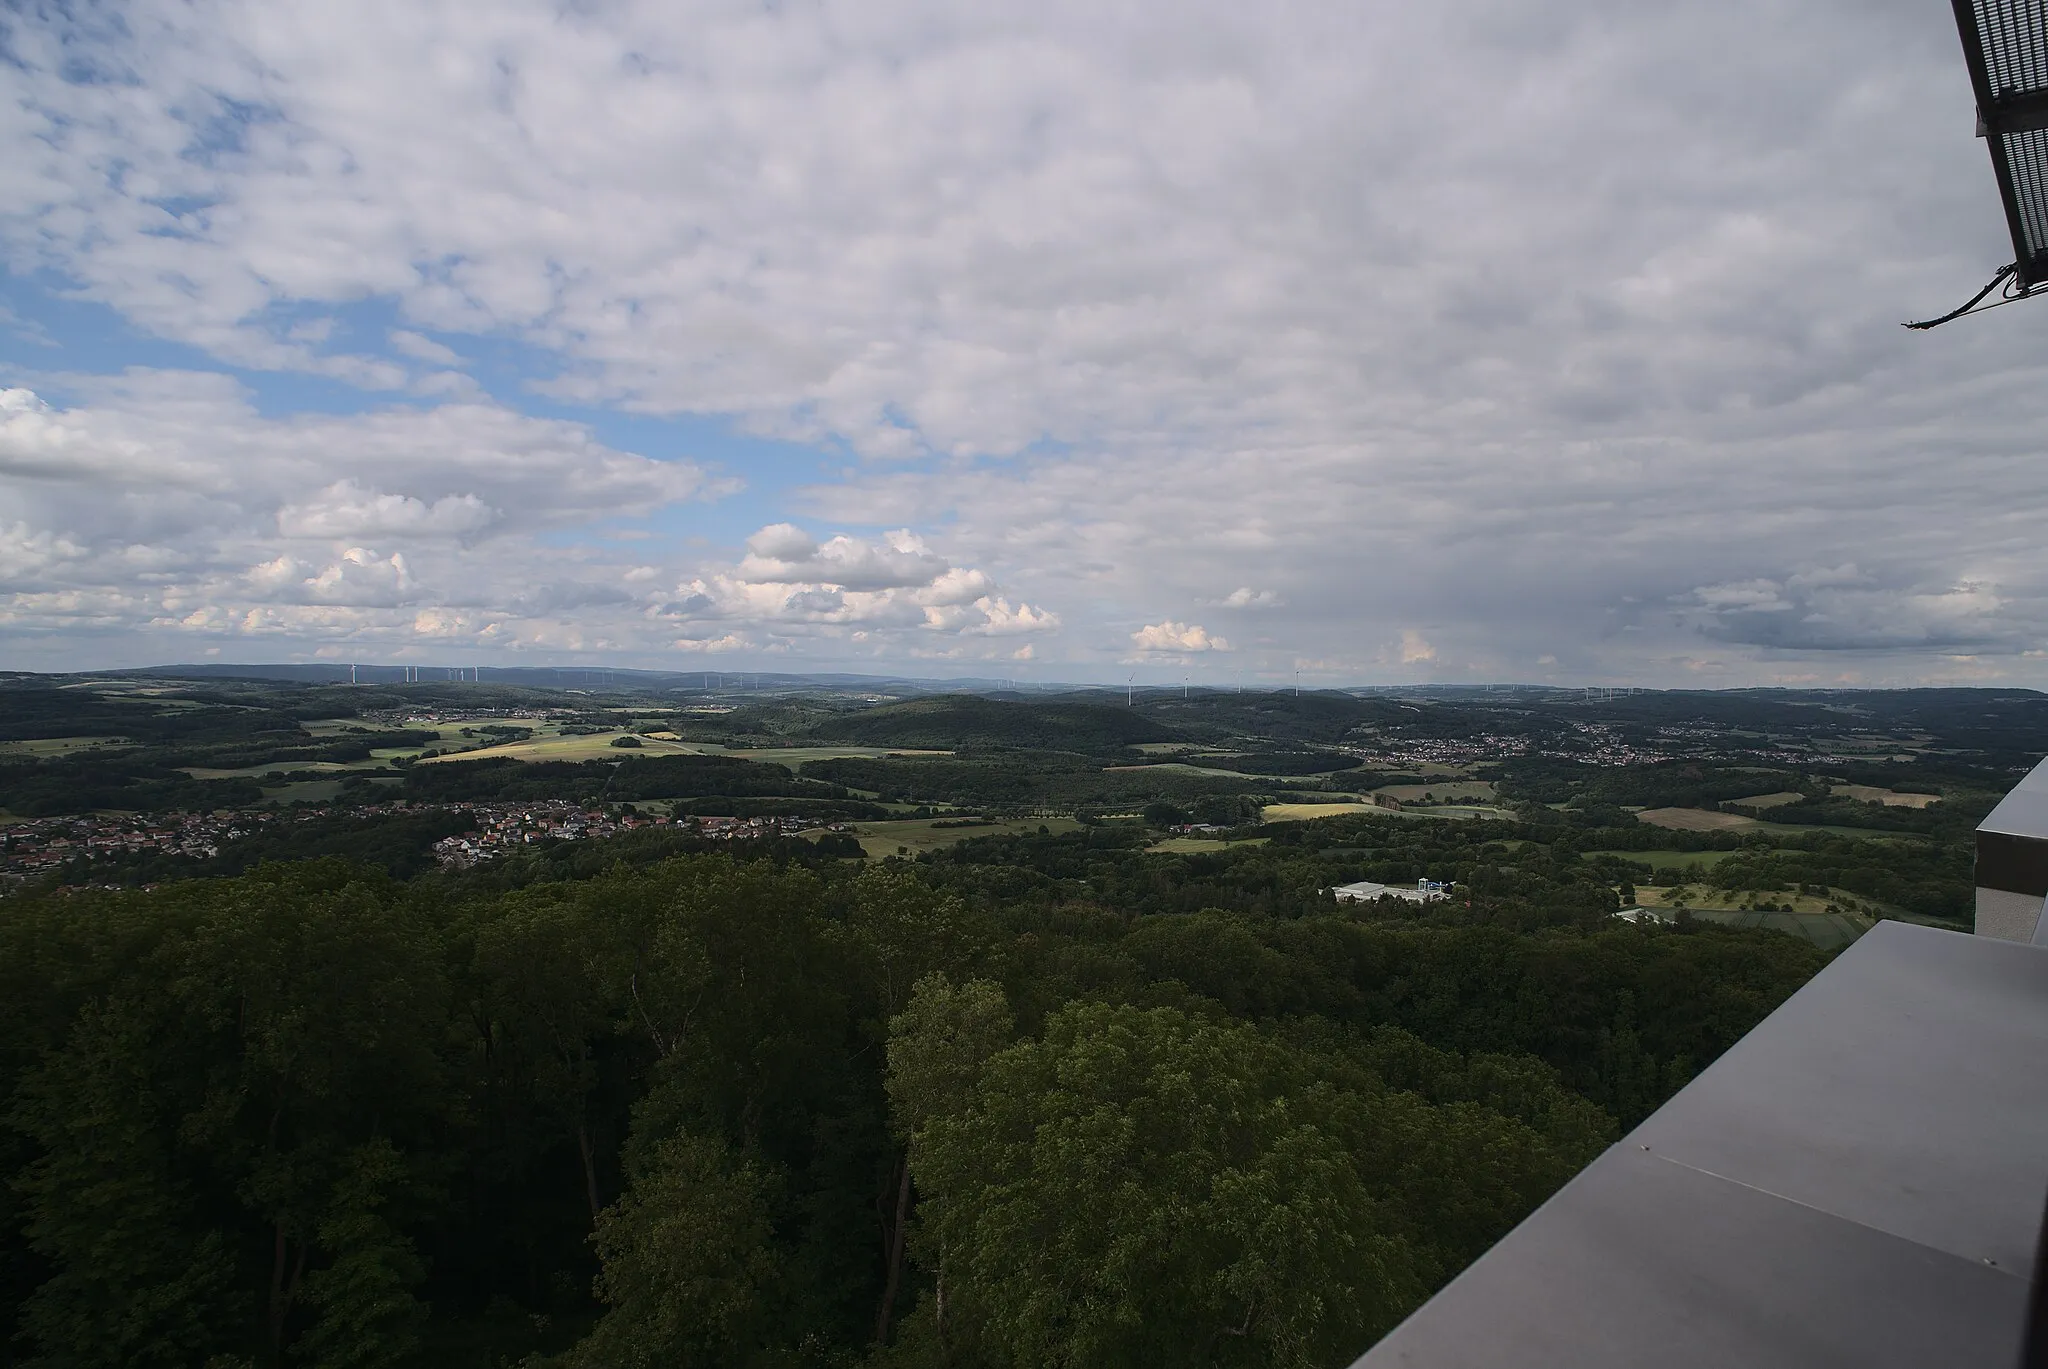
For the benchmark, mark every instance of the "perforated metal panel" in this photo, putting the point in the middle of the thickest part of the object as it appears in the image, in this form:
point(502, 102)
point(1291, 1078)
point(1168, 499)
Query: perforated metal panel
point(2006, 44)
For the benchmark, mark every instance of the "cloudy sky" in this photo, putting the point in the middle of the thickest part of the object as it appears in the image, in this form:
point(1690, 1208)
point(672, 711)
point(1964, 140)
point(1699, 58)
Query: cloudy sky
point(1476, 340)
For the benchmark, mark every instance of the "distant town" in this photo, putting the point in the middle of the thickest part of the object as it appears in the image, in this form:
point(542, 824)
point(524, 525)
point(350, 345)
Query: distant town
point(42, 845)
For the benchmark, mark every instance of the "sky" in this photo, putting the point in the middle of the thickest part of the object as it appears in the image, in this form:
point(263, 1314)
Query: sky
point(1463, 342)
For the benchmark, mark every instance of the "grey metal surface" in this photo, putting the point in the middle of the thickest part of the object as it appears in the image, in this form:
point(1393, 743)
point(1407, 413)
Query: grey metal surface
point(1859, 1181)
point(1905, 1088)
point(2012, 859)
point(2021, 813)
point(1640, 1262)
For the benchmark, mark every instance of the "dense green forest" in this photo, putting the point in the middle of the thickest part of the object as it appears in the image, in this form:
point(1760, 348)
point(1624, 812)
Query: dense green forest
point(1033, 1101)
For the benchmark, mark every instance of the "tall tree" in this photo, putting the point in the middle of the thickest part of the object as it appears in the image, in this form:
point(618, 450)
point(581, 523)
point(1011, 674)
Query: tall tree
point(687, 1262)
point(938, 1047)
point(1141, 1187)
point(366, 1315)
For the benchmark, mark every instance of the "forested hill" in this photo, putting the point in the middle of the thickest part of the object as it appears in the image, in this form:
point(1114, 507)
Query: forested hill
point(602, 1106)
point(965, 721)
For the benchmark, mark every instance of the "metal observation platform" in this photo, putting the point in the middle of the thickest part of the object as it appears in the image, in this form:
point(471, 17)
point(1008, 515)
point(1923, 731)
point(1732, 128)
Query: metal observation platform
point(1858, 1182)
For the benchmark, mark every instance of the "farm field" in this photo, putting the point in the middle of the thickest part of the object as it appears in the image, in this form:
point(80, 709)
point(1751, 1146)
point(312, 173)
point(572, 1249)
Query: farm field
point(1308, 812)
point(1456, 811)
point(257, 772)
point(52, 746)
point(595, 746)
point(1190, 768)
point(1708, 900)
point(1778, 799)
point(1443, 789)
point(880, 839)
point(1705, 820)
point(1695, 819)
point(1870, 793)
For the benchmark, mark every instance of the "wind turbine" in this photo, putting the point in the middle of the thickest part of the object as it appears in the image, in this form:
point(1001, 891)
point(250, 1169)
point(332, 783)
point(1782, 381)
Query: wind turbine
point(1131, 691)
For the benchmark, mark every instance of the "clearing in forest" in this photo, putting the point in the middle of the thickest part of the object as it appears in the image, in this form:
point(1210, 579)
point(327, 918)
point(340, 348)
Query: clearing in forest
point(1776, 799)
point(1308, 812)
point(1441, 790)
point(1191, 846)
point(1694, 819)
point(1890, 798)
point(916, 836)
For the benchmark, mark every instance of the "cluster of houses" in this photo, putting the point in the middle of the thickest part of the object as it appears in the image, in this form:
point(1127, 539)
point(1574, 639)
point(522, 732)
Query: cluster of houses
point(743, 829)
point(505, 827)
point(1423, 752)
point(43, 844)
point(502, 828)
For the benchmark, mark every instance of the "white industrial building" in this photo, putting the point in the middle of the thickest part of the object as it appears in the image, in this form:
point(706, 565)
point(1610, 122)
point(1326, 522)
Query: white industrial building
point(1365, 891)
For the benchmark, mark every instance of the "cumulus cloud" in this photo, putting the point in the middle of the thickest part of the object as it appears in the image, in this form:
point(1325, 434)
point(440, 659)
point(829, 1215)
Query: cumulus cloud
point(346, 509)
point(361, 578)
point(1245, 597)
point(1172, 636)
point(784, 554)
point(731, 641)
point(1002, 619)
point(852, 592)
point(165, 501)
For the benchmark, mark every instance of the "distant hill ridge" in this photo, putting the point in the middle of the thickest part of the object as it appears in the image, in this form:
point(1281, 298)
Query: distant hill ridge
point(965, 721)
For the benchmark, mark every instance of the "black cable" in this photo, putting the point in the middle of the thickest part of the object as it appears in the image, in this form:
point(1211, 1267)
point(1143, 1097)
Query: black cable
point(2005, 274)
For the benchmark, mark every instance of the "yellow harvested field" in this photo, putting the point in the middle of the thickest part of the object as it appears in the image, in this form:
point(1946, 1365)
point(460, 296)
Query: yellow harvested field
point(597, 746)
point(1870, 793)
point(1773, 800)
point(1305, 812)
point(1693, 819)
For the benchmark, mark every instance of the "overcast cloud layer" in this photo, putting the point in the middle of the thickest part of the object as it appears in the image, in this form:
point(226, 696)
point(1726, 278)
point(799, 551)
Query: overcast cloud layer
point(1472, 341)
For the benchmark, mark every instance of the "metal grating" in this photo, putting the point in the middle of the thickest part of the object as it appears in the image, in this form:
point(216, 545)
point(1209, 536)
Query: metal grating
point(2026, 154)
point(2009, 32)
point(2006, 44)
